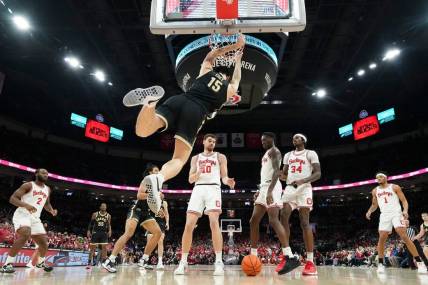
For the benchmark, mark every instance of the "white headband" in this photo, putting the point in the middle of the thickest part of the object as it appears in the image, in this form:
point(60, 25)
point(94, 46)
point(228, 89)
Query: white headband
point(302, 136)
point(380, 174)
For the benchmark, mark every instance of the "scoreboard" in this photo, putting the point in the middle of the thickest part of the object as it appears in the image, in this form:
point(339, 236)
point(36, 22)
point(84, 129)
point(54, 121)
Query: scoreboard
point(96, 130)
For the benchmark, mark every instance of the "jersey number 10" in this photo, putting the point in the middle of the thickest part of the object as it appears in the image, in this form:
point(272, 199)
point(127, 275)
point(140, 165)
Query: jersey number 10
point(206, 169)
point(215, 84)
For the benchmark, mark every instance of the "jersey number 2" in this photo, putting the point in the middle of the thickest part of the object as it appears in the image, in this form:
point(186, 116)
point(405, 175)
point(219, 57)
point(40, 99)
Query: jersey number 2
point(39, 200)
point(215, 84)
point(295, 169)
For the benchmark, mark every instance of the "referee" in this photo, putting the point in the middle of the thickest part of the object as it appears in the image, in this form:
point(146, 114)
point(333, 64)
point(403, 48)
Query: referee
point(411, 233)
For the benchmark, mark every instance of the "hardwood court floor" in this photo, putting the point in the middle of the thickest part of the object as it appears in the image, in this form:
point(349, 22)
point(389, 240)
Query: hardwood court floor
point(202, 275)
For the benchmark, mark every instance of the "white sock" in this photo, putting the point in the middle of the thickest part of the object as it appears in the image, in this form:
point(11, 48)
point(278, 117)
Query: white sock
point(310, 256)
point(145, 257)
point(253, 251)
point(10, 259)
point(40, 260)
point(160, 260)
point(112, 258)
point(218, 256)
point(287, 252)
point(184, 257)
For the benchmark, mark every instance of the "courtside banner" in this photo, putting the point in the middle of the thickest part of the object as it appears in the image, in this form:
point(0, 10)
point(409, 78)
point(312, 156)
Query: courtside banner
point(54, 257)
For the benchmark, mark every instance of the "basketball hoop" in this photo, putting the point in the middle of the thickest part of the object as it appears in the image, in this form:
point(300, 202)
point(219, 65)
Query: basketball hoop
point(217, 41)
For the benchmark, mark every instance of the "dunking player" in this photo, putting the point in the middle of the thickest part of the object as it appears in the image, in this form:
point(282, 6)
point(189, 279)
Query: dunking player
point(185, 114)
point(99, 231)
point(31, 198)
point(163, 223)
point(388, 196)
point(268, 199)
point(423, 233)
point(138, 214)
point(207, 170)
point(301, 167)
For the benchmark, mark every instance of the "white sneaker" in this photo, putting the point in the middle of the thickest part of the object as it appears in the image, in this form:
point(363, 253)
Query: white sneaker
point(422, 269)
point(153, 184)
point(29, 264)
point(219, 269)
point(143, 264)
point(380, 268)
point(181, 269)
point(160, 266)
point(143, 96)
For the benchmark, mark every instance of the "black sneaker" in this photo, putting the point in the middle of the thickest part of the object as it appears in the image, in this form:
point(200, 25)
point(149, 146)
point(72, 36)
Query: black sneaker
point(145, 265)
point(110, 266)
point(290, 265)
point(7, 268)
point(44, 266)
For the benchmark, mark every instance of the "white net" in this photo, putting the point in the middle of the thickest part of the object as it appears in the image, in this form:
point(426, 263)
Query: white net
point(217, 41)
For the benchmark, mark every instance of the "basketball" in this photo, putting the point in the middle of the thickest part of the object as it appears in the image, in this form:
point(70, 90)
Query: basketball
point(251, 265)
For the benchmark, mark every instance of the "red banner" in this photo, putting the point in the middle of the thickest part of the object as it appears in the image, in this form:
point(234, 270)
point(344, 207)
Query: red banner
point(97, 131)
point(54, 257)
point(227, 9)
point(253, 140)
point(366, 127)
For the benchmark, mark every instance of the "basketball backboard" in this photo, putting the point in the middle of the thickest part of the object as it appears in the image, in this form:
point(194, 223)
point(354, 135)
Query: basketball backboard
point(233, 225)
point(202, 16)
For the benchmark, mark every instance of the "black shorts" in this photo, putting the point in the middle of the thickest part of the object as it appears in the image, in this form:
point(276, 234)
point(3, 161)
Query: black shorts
point(184, 116)
point(99, 238)
point(140, 214)
point(161, 223)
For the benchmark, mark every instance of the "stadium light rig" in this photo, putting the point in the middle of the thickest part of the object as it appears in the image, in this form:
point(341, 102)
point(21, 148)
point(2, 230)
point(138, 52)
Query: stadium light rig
point(99, 75)
point(321, 93)
point(372, 65)
point(21, 23)
point(73, 62)
point(391, 54)
point(361, 72)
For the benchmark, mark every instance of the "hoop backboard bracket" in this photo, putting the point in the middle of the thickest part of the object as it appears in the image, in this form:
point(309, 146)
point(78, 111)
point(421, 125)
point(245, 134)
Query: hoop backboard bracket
point(199, 17)
point(230, 225)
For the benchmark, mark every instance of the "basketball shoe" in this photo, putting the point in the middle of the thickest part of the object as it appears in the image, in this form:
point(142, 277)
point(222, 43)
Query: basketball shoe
point(218, 268)
point(153, 184)
point(45, 267)
point(289, 265)
point(380, 268)
point(143, 96)
point(181, 269)
point(310, 269)
point(422, 269)
point(145, 264)
point(109, 265)
point(281, 264)
point(7, 268)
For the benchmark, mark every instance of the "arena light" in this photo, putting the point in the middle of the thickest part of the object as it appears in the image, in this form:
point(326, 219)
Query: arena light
point(99, 75)
point(111, 84)
point(277, 102)
point(372, 65)
point(10, 10)
point(361, 72)
point(350, 78)
point(314, 93)
point(21, 23)
point(391, 54)
point(321, 93)
point(73, 62)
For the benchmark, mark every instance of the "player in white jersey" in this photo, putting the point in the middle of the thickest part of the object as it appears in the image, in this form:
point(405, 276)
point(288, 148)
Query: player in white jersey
point(387, 197)
point(207, 170)
point(31, 198)
point(268, 198)
point(301, 168)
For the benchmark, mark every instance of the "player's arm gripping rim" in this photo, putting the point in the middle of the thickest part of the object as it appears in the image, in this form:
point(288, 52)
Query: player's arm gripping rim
point(373, 206)
point(400, 194)
point(232, 89)
point(48, 206)
point(207, 64)
point(91, 225)
point(15, 198)
point(275, 156)
point(223, 172)
point(194, 172)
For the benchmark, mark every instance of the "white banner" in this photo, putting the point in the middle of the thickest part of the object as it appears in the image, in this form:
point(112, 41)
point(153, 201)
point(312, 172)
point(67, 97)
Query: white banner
point(237, 139)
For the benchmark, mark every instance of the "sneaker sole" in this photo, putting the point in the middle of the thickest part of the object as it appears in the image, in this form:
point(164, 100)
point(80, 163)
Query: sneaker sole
point(108, 269)
point(310, 274)
point(138, 96)
point(153, 197)
point(285, 272)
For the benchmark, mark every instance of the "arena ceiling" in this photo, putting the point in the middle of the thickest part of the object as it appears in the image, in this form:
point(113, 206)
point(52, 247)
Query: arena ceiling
point(341, 37)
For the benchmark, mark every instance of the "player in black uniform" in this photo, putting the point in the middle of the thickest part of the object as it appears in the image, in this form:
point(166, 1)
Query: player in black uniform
point(163, 223)
point(99, 231)
point(138, 214)
point(186, 113)
point(423, 233)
